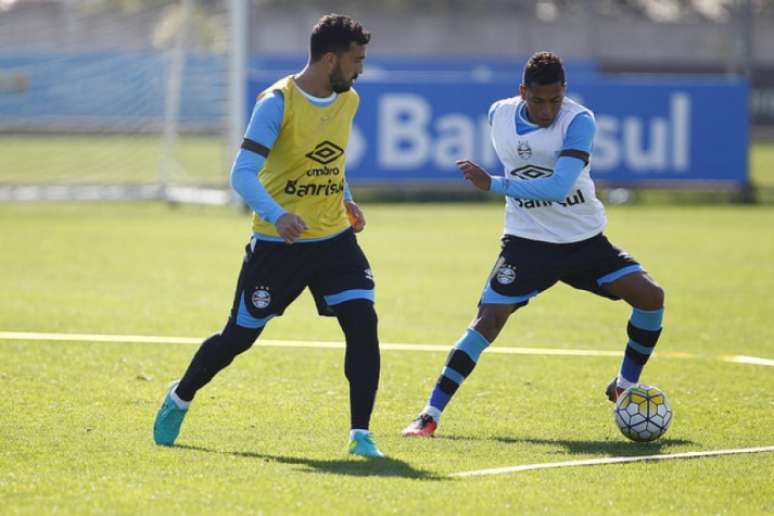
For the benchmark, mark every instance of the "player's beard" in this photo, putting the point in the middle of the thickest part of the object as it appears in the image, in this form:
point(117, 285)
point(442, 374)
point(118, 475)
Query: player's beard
point(338, 83)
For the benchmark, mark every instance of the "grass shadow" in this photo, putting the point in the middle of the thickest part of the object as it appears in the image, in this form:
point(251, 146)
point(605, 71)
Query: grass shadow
point(580, 447)
point(354, 466)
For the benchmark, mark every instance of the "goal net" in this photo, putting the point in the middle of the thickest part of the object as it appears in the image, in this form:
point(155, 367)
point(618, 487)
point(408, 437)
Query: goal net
point(117, 100)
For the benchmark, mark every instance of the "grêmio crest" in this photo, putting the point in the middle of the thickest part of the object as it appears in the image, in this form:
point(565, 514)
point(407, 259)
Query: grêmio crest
point(524, 150)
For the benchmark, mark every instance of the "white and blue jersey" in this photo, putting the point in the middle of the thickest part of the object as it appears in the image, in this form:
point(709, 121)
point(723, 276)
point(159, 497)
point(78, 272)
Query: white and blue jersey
point(550, 195)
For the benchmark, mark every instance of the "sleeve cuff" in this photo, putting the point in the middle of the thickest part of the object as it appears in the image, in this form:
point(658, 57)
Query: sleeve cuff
point(275, 214)
point(498, 185)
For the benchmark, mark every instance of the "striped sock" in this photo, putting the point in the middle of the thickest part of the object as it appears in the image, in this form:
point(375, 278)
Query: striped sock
point(643, 329)
point(460, 363)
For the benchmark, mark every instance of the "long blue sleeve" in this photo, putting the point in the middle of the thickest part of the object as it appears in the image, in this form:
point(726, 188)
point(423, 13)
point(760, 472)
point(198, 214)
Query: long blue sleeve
point(244, 180)
point(580, 133)
point(262, 130)
point(552, 188)
point(579, 139)
point(266, 120)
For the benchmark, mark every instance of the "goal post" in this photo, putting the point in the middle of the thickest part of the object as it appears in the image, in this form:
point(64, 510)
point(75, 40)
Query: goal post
point(147, 103)
point(239, 16)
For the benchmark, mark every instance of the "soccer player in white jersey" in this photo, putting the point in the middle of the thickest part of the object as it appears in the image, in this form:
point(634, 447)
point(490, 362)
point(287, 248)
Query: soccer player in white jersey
point(553, 231)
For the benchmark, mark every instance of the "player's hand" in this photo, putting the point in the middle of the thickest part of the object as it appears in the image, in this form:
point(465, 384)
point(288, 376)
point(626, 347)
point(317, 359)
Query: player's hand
point(290, 226)
point(356, 217)
point(475, 174)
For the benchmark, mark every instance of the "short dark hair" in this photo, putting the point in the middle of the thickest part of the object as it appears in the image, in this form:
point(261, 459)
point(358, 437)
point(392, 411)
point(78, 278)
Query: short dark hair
point(335, 33)
point(543, 68)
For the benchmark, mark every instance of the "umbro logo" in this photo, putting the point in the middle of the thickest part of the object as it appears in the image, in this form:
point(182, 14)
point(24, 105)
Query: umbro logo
point(531, 172)
point(325, 152)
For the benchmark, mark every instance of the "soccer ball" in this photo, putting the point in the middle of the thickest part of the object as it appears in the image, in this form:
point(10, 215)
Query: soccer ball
point(643, 413)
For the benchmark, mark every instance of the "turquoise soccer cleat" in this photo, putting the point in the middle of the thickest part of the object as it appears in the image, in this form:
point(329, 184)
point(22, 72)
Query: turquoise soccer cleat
point(363, 444)
point(168, 420)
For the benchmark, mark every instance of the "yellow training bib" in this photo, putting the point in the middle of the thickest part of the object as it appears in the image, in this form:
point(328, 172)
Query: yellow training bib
point(304, 171)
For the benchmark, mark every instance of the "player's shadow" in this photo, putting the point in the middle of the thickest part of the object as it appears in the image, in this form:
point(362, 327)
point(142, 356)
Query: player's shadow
point(617, 448)
point(580, 447)
point(385, 467)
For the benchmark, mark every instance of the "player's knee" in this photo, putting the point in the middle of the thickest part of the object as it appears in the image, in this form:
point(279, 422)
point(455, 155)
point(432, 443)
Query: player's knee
point(358, 320)
point(488, 328)
point(658, 296)
point(238, 339)
point(491, 320)
point(366, 312)
point(357, 316)
point(652, 298)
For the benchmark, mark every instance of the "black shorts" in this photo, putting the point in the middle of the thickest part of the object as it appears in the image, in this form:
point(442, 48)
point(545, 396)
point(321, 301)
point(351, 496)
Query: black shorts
point(275, 273)
point(526, 268)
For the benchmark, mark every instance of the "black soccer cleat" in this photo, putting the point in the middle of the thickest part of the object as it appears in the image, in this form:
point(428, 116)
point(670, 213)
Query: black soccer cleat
point(612, 391)
point(422, 426)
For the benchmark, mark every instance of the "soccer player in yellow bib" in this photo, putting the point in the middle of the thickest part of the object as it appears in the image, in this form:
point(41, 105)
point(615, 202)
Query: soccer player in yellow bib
point(290, 171)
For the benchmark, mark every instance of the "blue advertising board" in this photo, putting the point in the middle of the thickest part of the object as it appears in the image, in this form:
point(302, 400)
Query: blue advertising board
point(104, 87)
point(107, 86)
point(417, 115)
point(653, 131)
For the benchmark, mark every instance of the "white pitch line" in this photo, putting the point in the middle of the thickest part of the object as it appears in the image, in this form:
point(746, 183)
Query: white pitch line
point(506, 350)
point(143, 339)
point(744, 359)
point(149, 339)
point(84, 337)
point(610, 460)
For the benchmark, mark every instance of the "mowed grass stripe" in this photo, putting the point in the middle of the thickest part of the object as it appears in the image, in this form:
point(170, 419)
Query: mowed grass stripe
point(150, 339)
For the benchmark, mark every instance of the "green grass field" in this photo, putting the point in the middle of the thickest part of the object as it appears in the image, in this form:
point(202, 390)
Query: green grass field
point(268, 435)
point(762, 164)
point(202, 160)
point(110, 159)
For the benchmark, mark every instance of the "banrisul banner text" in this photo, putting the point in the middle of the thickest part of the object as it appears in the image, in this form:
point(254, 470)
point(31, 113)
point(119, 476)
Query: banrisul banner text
point(648, 131)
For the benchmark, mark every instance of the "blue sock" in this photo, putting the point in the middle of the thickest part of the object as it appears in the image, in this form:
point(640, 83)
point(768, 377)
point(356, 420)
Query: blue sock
point(643, 329)
point(460, 363)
